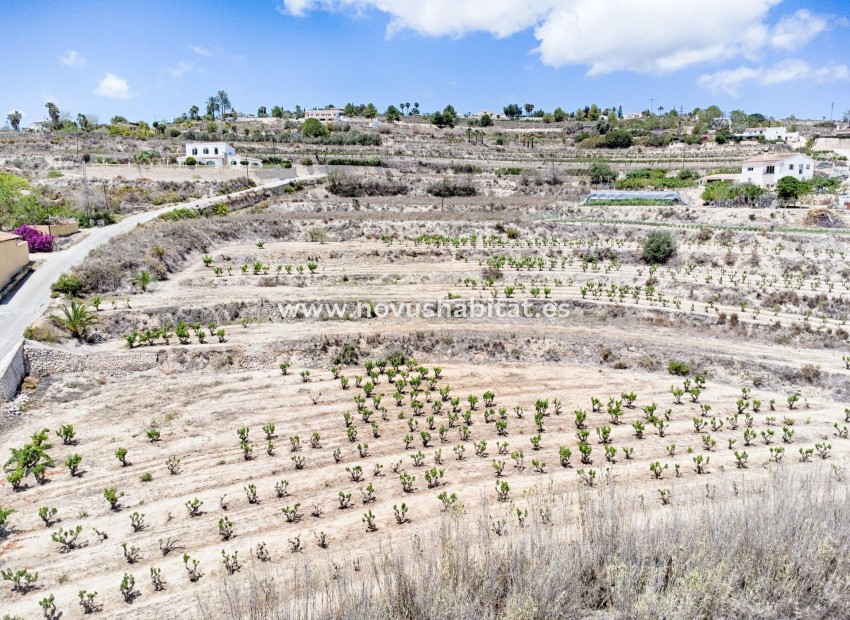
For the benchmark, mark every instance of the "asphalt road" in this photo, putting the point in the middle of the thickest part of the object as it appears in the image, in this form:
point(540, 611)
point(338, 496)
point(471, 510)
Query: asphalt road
point(30, 299)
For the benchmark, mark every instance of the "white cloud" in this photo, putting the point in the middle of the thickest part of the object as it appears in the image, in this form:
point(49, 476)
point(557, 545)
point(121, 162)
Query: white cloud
point(114, 87)
point(646, 36)
point(732, 81)
point(832, 73)
point(440, 17)
point(786, 71)
point(650, 36)
point(794, 31)
point(201, 50)
point(181, 69)
point(72, 58)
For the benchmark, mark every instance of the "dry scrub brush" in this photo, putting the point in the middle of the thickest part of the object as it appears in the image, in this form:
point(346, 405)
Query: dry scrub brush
point(774, 548)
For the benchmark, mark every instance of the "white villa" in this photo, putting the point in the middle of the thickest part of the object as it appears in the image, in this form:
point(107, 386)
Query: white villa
point(767, 169)
point(327, 114)
point(216, 154)
point(772, 134)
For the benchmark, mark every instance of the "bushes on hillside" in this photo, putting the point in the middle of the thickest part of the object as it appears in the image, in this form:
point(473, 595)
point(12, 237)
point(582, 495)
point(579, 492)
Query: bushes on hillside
point(446, 189)
point(354, 187)
point(658, 247)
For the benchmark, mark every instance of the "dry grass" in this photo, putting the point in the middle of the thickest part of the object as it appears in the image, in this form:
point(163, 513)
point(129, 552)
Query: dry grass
point(771, 548)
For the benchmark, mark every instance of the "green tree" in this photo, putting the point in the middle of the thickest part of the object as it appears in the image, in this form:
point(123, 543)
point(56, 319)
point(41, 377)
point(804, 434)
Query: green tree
point(789, 189)
point(223, 102)
point(277, 112)
point(529, 108)
point(513, 111)
point(559, 115)
point(53, 112)
point(261, 112)
point(193, 113)
point(617, 139)
point(313, 128)
point(370, 111)
point(601, 173)
point(486, 120)
point(658, 247)
point(392, 114)
point(213, 106)
point(15, 120)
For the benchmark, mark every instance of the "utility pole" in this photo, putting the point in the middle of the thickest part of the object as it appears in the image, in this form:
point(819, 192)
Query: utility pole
point(831, 110)
point(86, 193)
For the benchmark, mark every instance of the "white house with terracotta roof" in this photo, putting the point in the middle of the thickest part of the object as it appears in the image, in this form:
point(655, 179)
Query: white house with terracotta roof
point(767, 169)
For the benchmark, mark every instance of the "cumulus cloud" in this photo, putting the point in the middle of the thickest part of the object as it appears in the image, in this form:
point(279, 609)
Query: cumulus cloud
point(114, 87)
point(72, 58)
point(632, 35)
point(732, 81)
point(180, 69)
point(794, 31)
point(645, 36)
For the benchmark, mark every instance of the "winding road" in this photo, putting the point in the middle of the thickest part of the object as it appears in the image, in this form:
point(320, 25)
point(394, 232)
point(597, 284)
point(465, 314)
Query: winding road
point(29, 300)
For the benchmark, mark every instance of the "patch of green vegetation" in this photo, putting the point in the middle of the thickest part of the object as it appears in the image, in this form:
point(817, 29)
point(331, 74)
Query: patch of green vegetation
point(180, 214)
point(352, 161)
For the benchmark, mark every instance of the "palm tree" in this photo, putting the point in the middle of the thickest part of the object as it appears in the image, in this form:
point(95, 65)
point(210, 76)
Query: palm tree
point(143, 279)
point(15, 119)
point(224, 101)
point(193, 113)
point(213, 106)
point(53, 111)
point(77, 319)
point(83, 122)
point(529, 108)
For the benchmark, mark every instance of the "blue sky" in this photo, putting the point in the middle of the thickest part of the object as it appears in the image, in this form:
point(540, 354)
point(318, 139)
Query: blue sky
point(153, 59)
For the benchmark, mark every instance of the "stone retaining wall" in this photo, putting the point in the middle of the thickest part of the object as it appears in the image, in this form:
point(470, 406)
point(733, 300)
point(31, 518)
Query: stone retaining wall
point(42, 361)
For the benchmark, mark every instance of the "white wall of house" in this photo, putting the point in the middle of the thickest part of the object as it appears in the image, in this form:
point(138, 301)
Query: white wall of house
point(767, 173)
point(211, 153)
point(324, 115)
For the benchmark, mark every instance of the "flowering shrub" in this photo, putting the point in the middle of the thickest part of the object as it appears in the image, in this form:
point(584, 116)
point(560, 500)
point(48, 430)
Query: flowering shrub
point(36, 241)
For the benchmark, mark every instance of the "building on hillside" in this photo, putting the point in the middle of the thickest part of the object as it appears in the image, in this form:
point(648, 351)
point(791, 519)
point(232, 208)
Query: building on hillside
point(631, 116)
point(39, 126)
point(771, 134)
point(328, 114)
point(14, 256)
point(216, 154)
point(765, 170)
point(494, 115)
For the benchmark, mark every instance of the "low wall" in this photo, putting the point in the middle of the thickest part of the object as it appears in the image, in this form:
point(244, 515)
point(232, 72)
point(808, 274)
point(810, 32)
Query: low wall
point(43, 361)
point(13, 369)
point(58, 230)
point(133, 172)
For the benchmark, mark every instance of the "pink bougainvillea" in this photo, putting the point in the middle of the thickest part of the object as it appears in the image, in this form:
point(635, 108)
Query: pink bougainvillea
point(36, 241)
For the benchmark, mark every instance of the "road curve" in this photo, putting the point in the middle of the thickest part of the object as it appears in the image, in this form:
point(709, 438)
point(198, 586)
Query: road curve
point(31, 298)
